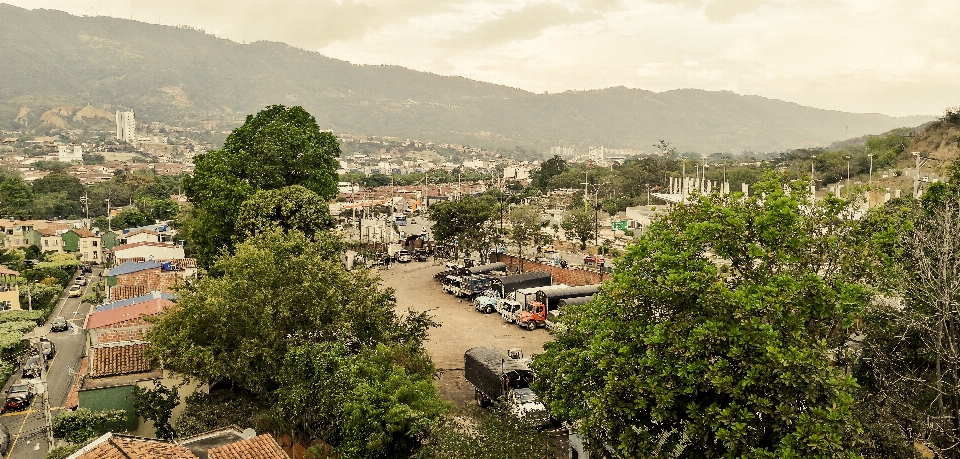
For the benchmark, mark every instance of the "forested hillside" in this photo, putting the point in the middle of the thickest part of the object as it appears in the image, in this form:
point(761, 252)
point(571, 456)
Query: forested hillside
point(176, 75)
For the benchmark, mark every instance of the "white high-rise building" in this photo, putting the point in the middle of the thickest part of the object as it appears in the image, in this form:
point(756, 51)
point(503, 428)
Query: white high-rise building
point(126, 127)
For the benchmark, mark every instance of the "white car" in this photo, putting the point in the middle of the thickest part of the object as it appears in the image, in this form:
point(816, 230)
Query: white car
point(403, 256)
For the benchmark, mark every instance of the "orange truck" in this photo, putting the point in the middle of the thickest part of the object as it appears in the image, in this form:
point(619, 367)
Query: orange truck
point(534, 313)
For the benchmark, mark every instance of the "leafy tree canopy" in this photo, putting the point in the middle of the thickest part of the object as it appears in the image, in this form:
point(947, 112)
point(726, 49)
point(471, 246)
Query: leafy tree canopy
point(682, 352)
point(288, 208)
point(463, 222)
point(277, 148)
point(280, 290)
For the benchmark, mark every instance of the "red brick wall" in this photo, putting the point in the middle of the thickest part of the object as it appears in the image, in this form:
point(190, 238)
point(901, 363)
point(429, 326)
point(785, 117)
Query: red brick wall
point(572, 277)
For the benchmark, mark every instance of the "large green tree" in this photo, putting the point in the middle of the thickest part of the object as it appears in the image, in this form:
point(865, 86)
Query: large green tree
point(278, 147)
point(464, 223)
point(718, 335)
point(278, 291)
point(581, 224)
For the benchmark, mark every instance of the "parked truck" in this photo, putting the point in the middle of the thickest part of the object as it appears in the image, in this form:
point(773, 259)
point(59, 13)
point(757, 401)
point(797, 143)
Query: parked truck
point(515, 302)
point(495, 376)
point(472, 286)
point(504, 286)
point(534, 313)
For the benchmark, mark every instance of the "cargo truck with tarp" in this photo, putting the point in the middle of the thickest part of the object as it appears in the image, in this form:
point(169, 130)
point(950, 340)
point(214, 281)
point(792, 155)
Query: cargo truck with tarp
point(495, 376)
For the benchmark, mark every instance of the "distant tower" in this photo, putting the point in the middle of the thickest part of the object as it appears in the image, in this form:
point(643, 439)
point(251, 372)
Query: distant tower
point(126, 127)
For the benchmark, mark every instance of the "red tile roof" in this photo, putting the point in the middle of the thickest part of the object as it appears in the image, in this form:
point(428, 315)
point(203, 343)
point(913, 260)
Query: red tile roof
point(259, 447)
point(111, 446)
point(118, 359)
point(84, 233)
point(104, 319)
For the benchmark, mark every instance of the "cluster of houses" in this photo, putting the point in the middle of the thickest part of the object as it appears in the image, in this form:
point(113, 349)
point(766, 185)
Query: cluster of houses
point(142, 270)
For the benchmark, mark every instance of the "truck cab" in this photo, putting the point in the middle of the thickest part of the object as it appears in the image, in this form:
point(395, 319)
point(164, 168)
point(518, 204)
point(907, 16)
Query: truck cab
point(508, 309)
point(487, 301)
point(533, 315)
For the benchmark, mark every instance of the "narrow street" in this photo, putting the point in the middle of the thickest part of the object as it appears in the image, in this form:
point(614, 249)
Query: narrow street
point(28, 427)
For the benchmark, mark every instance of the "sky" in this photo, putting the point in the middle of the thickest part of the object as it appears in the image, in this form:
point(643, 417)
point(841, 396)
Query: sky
point(896, 57)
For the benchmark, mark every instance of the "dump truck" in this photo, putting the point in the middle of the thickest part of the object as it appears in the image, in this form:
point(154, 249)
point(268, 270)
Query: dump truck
point(534, 313)
point(473, 286)
point(497, 377)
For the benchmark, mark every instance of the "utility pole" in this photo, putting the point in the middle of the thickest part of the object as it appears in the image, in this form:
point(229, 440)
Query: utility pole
point(847, 157)
point(109, 228)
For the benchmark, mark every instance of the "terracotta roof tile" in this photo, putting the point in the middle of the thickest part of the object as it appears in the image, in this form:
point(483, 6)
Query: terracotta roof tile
point(118, 359)
point(110, 446)
point(115, 316)
point(259, 447)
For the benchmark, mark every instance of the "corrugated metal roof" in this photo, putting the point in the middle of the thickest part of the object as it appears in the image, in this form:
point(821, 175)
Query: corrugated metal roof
point(131, 267)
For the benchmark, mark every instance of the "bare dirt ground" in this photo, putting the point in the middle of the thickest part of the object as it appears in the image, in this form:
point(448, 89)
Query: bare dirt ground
point(462, 326)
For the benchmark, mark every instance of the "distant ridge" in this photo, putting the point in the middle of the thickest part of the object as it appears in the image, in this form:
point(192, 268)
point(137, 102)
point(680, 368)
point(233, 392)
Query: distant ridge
point(50, 59)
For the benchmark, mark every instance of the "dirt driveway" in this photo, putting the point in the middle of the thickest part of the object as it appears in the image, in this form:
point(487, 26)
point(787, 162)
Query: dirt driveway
point(462, 326)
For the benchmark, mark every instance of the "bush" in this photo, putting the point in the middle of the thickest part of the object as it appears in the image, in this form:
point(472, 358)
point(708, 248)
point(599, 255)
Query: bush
point(38, 317)
point(83, 425)
point(62, 452)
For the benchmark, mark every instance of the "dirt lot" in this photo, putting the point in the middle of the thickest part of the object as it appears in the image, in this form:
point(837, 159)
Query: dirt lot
point(462, 326)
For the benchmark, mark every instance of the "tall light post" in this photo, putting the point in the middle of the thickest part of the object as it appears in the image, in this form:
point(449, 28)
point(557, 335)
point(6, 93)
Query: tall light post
point(847, 157)
point(813, 183)
point(109, 228)
point(870, 155)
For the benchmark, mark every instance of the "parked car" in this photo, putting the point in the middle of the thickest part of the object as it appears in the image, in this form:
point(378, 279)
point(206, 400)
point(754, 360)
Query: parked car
point(548, 249)
point(33, 366)
point(49, 349)
point(19, 396)
point(80, 280)
point(593, 259)
point(75, 291)
point(86, 268)
point(59, 324)
point(403, 256)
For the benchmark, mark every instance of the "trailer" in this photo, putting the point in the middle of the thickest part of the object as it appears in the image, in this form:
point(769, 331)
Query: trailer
point(508, 284)
point(484, 269)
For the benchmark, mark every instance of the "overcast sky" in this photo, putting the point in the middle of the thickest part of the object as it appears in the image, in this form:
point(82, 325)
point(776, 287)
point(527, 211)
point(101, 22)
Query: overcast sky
point(897, 57)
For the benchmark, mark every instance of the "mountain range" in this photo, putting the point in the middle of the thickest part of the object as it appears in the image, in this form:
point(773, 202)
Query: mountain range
point(181, 75)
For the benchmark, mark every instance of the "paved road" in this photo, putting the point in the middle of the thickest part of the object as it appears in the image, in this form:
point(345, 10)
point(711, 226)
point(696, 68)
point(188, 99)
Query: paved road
point(28, 427)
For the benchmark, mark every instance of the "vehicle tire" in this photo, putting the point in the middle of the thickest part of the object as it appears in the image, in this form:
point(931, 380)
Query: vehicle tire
point(489, 309)
point(532, 325)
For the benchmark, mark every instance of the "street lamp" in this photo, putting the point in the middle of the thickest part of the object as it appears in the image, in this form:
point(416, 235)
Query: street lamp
point(870, 155)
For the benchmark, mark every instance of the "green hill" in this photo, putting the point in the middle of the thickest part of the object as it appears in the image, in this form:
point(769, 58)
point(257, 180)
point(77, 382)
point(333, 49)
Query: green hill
point(176, 75)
